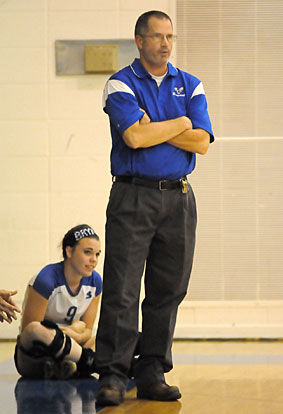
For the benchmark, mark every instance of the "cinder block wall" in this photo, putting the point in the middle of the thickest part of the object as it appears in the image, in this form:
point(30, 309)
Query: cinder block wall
point(54, 135)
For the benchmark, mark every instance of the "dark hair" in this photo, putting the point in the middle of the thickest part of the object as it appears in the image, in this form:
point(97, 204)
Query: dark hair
point(142, 22)
point(75, 234)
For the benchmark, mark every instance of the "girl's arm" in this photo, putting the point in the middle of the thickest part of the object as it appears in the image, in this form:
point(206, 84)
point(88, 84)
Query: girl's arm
point(81, 336)
point(35, 308)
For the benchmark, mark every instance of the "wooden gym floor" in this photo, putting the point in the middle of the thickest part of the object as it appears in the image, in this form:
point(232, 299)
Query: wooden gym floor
point(214, 377)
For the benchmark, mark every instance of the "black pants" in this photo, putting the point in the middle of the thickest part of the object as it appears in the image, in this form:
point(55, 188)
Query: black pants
point(156, 229)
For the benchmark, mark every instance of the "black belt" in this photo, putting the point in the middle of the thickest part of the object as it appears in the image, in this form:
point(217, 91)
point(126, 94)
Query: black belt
point(158, 185)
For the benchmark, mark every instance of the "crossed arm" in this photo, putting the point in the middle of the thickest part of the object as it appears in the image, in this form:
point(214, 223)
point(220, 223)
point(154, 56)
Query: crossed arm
point(177, 132)
point(80, 330)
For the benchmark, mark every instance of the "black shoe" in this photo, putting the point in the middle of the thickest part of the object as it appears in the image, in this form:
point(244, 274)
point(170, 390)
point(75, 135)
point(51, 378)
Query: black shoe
point(109, 395)
point(159, 391)
point(86, 364)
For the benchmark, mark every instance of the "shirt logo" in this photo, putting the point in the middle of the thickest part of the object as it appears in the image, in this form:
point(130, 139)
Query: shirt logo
point(178, 92)
point(88, 295)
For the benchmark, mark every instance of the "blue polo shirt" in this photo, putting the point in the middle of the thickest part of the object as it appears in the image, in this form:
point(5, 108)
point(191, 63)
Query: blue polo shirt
point(180, 94)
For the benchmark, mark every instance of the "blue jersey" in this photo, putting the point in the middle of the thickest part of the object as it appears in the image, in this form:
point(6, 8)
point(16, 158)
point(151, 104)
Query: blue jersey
point(64, 307)
point(180, 94)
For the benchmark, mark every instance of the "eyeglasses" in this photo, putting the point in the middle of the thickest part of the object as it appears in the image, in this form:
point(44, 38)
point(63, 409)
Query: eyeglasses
point(159, 37)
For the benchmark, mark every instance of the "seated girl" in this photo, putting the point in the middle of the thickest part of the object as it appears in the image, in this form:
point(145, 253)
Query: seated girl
point(59, 311)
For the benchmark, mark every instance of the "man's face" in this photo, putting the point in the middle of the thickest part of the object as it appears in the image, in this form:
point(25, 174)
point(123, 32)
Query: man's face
point(155, 46)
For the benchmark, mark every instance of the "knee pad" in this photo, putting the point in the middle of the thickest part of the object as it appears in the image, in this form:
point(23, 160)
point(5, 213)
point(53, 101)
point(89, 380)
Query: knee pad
point(40, 349)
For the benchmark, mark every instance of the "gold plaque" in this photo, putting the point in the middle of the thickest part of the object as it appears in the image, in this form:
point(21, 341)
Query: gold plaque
point(101, 58)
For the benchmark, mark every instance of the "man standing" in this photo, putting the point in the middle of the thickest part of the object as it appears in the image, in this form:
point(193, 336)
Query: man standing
point(159, 121)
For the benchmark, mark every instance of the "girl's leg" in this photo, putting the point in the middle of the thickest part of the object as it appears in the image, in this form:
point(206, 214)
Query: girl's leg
point(35, 331)
point(46, 339)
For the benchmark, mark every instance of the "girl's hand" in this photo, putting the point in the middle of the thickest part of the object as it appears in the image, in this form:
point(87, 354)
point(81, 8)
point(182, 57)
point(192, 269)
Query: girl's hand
point(71, 333)
point(78, 326)
point(76, 331)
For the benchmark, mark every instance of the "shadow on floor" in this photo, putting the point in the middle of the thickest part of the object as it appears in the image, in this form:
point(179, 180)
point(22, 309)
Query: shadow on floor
point(30, 396)
point(56, 396)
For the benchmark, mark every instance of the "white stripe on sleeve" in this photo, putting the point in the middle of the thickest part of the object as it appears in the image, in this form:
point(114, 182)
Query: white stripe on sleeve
point(198, 90)
point(113, 86)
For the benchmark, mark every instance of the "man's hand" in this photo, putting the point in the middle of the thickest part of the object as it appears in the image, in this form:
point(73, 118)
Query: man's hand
point(193, 140)
point(189, 122)
point(8, 308)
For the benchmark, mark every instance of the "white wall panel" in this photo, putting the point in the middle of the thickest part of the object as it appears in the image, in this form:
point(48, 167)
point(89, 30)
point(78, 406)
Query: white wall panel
point(83, 5)
point(79, 138)
point(237, 319)
point(17, 67)
point(23, 102)
point(23, 139)
point(21, 273)
point(70, 209)
point(73, 174)
point(23, 5)
point(23, 175)
point(64, 25)
point(29, 29)
point(146, 5)
point(29, 247)
point(77, 99)
point(23, 211)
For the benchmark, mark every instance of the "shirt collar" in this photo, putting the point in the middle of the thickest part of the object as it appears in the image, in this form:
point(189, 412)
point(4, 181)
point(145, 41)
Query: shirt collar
point(141, 72)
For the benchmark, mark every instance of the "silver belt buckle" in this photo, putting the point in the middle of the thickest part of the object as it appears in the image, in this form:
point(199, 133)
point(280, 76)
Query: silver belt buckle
point(160, 185)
